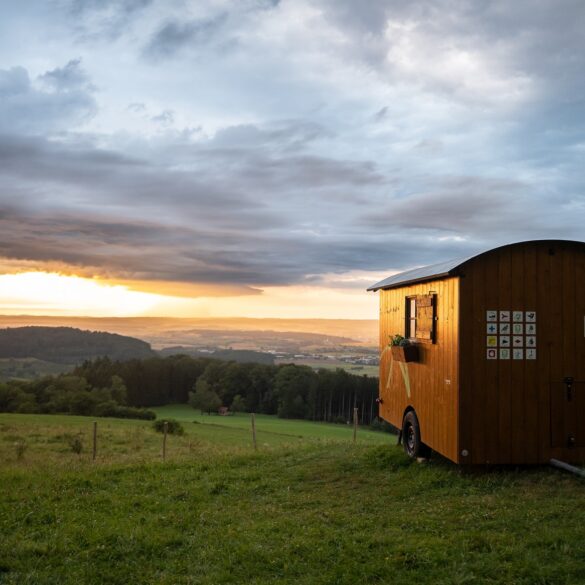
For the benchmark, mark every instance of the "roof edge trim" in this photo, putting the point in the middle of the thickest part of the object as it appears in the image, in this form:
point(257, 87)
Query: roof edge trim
point(420, 280)
point(449, 268)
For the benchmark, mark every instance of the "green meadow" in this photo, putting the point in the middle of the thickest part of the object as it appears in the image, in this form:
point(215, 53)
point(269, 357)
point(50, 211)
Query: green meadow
point(309, 507)
point(268, 425)
point(47, 439)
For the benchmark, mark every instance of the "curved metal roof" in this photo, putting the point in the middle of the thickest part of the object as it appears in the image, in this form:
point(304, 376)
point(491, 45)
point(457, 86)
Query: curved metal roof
point(431, 272)
point(448, 268)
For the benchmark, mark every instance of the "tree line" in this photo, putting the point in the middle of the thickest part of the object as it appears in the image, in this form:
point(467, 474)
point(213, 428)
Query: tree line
point(69, 394)
point(289, 391)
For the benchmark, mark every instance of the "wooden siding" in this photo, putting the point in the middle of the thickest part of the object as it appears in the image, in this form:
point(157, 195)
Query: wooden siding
point(516, 411)
point(432, 382)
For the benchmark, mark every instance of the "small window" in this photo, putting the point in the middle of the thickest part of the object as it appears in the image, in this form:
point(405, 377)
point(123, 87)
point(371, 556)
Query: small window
point(411, 317)
point(421, 319)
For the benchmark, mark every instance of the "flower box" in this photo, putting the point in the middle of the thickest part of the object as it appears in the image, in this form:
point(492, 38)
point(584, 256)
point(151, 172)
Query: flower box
point(405, 353)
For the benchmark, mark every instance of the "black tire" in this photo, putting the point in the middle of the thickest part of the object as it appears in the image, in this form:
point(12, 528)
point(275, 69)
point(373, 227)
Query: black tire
point(413, 446)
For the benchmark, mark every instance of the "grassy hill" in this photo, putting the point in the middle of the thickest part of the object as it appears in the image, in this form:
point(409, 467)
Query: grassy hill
point(66, 345)
point(304, 509)
point(133, 441)
point(269, 426)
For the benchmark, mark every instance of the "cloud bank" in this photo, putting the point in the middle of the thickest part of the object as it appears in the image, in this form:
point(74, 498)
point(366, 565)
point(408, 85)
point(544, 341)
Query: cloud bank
point(251, 144)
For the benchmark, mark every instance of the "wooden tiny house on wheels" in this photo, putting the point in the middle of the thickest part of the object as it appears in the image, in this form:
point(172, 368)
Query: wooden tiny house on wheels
point(499, 376)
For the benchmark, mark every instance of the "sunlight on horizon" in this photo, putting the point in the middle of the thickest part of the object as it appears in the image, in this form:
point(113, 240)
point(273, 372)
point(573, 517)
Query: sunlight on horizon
point(52, 293)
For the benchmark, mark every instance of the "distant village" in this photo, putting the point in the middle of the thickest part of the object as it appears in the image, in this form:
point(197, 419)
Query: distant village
point(355, 359)
point(360, 360)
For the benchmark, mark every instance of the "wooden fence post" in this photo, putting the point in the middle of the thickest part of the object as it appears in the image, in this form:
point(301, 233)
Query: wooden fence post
point(254, 432)
point(165, 430)
point(94, 454)
point(355, 423)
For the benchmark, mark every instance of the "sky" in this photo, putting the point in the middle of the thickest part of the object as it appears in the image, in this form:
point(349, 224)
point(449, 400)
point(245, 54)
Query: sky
point(269, 158)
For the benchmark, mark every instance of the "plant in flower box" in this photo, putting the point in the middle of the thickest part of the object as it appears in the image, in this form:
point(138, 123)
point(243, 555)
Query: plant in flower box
point(403, 350)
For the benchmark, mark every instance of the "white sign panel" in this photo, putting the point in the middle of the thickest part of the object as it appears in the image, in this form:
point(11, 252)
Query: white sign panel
point(512, 334)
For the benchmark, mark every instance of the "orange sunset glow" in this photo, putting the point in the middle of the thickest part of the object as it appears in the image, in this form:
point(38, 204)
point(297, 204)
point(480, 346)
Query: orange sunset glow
point(42, 293)
point(50, 293)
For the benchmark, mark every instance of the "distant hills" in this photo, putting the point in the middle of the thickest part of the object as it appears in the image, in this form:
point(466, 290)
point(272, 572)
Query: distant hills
point(32, 346)
point(164, 331)
point(332, 343)
point(67, 345)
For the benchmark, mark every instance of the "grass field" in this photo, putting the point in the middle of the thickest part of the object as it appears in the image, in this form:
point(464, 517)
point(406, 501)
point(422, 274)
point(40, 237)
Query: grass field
point(306, 509)
point(48, 438)
point(268, 425)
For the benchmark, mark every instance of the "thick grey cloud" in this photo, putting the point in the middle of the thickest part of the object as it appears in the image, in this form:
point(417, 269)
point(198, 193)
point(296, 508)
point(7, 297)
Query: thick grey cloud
point(176, 228)
point(541, 39)
point(176, 34)
point(69, 77)
point(27, 109)
point(257, 143)
point(153, 251)
point(102, 19)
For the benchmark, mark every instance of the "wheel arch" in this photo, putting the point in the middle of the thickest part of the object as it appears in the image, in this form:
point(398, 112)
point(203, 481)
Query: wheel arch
point(408, 409)
point(424, 449)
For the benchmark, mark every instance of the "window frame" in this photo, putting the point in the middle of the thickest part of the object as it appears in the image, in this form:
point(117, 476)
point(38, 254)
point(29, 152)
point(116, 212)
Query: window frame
point(410, 321)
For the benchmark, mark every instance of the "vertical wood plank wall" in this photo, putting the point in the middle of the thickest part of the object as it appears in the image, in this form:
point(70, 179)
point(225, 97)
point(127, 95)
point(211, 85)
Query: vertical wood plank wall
point(515, 411)
point(434, 379)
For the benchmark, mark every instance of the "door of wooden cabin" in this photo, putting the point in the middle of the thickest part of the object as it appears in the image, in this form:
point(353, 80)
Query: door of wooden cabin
point(566, 346)
point(567, 412)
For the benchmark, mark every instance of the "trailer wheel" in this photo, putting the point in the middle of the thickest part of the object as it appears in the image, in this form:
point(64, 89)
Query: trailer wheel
point(413, 446)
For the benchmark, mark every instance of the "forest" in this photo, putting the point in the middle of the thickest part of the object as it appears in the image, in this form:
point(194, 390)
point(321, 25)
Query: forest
point(67, 345)
point(289, 391)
